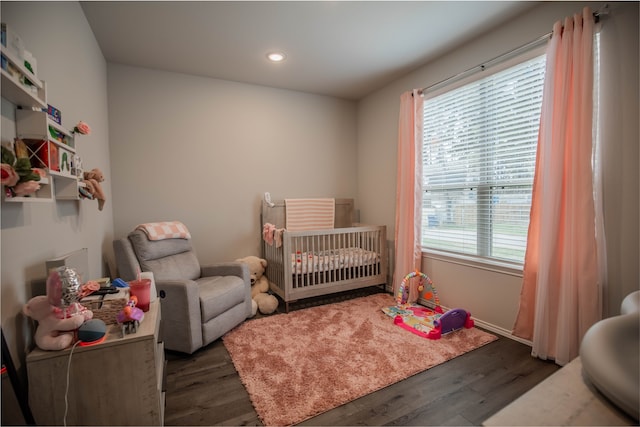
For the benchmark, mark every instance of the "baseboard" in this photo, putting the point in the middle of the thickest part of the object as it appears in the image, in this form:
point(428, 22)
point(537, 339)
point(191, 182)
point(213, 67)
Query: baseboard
point(500, 331)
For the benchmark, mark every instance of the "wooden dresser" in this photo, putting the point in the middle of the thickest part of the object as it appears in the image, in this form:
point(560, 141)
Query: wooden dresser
point(117, 382)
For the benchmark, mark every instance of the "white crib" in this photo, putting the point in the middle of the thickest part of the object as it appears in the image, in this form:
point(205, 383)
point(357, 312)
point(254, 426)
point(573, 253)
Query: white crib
point(320, 262)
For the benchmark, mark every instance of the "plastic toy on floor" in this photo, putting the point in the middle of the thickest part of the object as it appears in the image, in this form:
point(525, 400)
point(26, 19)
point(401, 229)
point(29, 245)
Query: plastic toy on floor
point(423, 321)
point(452, 320)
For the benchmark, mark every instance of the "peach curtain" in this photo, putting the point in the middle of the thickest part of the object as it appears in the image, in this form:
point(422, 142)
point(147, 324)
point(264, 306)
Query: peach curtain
point(408, 249)
point(561, 297)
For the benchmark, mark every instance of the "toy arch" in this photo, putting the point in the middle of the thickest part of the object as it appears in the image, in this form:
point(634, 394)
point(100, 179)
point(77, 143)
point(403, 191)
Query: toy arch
point(429, 291)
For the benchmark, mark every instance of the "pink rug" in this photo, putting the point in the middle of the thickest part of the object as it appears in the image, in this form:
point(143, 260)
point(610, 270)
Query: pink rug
point(298, 365)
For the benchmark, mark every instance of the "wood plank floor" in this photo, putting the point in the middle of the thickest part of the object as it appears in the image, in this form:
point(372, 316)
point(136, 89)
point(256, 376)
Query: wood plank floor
point(205, 389)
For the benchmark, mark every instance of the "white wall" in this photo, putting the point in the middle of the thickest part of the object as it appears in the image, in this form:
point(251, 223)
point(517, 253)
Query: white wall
point(621, 155)
point(71, 63)
point(204, 151)
point(491, 296)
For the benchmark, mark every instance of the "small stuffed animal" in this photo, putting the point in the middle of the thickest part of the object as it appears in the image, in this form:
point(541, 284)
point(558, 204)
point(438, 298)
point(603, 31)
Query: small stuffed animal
point(52, 333)
point(92, 179)
point(261, 299)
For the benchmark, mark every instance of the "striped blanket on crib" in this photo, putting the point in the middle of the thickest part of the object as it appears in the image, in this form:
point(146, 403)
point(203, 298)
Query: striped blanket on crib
point(309, 214)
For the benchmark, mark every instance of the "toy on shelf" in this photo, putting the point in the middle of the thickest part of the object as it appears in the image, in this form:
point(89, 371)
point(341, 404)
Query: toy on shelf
point(426, 322)
point(130, 316)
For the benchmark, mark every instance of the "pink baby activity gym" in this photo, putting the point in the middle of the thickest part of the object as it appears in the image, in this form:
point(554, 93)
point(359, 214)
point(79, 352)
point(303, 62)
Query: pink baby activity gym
point(423, 321)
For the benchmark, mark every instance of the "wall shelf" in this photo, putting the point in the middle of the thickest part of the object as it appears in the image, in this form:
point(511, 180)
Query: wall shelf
point(42, 195)
point(17, 92)
point(50, 146)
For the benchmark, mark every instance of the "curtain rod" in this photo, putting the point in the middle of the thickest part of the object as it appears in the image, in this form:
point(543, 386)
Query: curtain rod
point(596, 15)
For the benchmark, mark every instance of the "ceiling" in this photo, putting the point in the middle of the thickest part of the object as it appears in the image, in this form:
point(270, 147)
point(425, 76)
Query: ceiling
point(345, 49)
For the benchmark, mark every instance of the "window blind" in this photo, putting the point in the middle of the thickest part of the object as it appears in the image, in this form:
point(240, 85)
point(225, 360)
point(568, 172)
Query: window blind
point(479, 154)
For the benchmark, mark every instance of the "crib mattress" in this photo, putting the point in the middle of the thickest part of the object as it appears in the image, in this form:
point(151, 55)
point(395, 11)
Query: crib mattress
point(319, 261)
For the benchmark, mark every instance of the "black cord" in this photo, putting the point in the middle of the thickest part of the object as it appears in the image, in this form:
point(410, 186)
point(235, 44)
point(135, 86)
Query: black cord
point(15, 383)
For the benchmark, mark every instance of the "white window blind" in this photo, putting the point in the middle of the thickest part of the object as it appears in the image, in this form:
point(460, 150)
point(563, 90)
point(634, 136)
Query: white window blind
point(479, 154)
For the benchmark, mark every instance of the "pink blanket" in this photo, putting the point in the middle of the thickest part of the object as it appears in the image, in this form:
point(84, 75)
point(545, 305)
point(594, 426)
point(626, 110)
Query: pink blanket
point(309, 214)
point(165, 230)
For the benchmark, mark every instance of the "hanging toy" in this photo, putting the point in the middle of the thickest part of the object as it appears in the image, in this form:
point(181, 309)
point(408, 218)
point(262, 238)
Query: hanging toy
point(423, 321)
point(402, 296)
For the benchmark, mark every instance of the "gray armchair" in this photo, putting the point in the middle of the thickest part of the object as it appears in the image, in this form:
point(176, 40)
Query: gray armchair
point(199, 303)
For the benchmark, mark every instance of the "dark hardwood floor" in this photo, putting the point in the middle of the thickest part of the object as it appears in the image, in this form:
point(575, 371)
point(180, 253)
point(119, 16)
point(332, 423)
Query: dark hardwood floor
point(204, 389)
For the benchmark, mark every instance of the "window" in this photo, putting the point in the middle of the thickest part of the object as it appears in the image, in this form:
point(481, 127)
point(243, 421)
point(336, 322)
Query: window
point(479, 153)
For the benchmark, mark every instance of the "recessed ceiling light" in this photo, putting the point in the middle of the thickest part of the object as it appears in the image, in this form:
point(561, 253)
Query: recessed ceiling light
point(276, 56)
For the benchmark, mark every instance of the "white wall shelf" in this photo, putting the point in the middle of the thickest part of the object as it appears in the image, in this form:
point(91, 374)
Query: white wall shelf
point(51, 147)
point(45, 194)
point(17, 92)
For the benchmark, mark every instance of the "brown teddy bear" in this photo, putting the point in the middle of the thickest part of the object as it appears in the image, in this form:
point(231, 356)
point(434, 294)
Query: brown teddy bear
point(53, 333)
point(261, 299)
point(92, 180)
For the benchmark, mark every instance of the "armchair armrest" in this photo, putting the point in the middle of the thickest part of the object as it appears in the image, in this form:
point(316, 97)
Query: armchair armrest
point(232, 268)
point(181, 318)
point(239, 269)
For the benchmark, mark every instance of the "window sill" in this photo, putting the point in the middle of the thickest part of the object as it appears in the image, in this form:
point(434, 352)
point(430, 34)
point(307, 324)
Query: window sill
point(512, 269)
